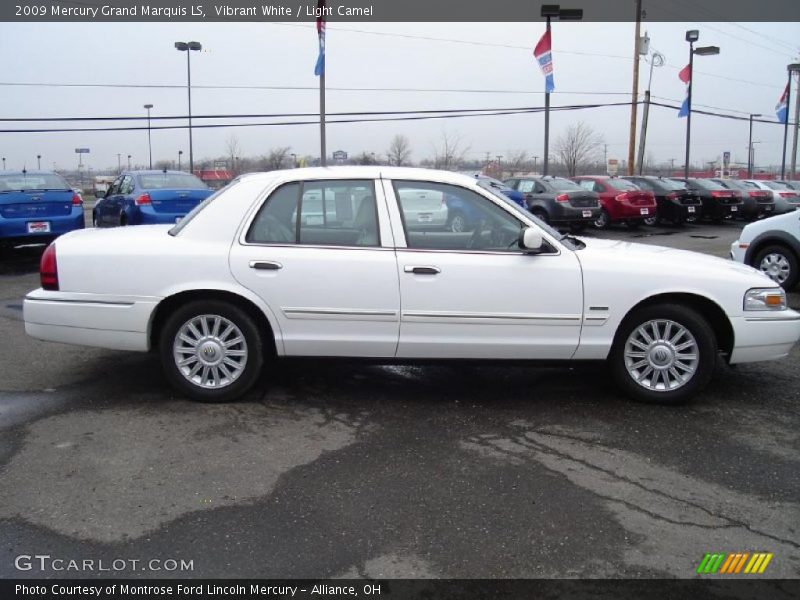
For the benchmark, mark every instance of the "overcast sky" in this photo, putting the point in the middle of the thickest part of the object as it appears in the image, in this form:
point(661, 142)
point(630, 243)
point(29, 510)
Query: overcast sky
point(748, 76)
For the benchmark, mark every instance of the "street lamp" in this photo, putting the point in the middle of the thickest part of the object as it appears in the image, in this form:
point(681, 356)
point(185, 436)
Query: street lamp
point(180, 153)
point(188, 47)
point(554, 11)
point(4, 163)
point(692, 36)
point(792, 69)
point(656, 60)
point(129, 162)
point(149, 144)
point(750, 147)
point(294, 160)
point(39, 162)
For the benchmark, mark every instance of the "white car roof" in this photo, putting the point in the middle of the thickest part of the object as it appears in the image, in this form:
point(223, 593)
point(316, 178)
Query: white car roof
point(362, 172)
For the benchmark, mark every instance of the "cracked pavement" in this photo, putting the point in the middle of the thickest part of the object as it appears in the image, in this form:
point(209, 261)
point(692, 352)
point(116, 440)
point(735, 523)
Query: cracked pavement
point(340, 469)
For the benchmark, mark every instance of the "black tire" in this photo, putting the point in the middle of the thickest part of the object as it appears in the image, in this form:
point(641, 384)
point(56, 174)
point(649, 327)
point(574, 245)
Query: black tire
point(704, 339)
point(652, 221)
point(123, 220)
point(457, 223)
point(787, 255)
point(603, 220)
point(541, 214)
point(253, 361)
point(94, 219)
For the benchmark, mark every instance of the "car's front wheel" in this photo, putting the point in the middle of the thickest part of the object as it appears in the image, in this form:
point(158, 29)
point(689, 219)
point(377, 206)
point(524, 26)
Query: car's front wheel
point(458, 222)
point(780, 263)
point(211, 351)
point(663, 353)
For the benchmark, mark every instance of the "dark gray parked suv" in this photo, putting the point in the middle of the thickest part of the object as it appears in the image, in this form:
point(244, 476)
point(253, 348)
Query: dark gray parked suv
point(558, 200)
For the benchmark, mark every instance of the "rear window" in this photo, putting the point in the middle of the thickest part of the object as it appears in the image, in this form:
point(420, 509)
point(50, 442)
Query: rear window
point(620, 184)
point(671, 184)
point(197, 209)
point(171, 181)
point(776, 185)
point(707, 184)
point(18, 182)
point(562, 185)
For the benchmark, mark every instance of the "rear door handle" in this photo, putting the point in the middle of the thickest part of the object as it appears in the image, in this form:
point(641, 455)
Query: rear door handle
point(265, 265)
point(422, 270)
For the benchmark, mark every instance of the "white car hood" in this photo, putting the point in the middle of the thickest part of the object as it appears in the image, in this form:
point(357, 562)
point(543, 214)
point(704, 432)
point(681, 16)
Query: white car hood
point(662, 260)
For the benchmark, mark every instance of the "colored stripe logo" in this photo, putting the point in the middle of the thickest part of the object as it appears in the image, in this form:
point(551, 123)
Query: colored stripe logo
point(734, 563)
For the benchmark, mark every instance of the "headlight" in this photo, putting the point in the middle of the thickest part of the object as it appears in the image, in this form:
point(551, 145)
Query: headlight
point(765, 299)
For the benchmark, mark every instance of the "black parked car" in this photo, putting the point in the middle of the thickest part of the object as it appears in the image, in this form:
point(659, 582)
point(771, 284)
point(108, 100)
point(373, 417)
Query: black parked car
point(558, 200)
point(755, 203)
point(718, 202)
point(675, 202)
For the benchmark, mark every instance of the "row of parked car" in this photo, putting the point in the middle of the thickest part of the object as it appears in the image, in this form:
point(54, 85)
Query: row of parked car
point(601, 200)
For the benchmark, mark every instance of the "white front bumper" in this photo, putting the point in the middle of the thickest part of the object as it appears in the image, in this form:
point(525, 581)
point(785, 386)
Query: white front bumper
point(764, 336)
point(119, 323)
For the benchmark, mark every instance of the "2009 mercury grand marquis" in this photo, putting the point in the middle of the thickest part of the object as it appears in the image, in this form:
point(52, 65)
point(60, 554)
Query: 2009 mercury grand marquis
point(350, 262)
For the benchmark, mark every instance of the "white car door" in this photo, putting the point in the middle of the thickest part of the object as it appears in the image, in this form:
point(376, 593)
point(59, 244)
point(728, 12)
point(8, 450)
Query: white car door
point(330, 277)
point(474, 293)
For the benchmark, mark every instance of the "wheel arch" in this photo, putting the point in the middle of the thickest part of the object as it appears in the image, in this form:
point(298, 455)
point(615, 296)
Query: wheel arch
point(709, 309)
point(776, 238)
point(270, 331)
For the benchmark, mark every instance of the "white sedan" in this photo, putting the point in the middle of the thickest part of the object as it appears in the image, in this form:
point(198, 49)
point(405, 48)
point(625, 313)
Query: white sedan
point(247, 278)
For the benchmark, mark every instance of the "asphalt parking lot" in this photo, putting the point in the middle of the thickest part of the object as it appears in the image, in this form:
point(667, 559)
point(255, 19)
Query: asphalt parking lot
point(344, 469)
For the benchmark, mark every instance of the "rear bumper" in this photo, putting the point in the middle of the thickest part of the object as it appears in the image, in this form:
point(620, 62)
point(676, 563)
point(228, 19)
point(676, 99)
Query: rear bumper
point(145, 215)
point(561, 212)
point(119, 323)
point(620, 211)
point(14, 232)
point(760, 337)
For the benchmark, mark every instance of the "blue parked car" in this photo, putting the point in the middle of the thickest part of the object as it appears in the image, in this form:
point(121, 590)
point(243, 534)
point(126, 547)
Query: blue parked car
point(36, 207)
point(148, 198)
point(461, 216)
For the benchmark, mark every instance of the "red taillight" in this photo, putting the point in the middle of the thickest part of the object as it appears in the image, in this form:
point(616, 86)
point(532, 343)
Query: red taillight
point(673, 195)
point(145, 199)
point(562, 198)
point(76, 200)
point(621, 197)
point(787, 194)
point(48, 268)
point(721, 194)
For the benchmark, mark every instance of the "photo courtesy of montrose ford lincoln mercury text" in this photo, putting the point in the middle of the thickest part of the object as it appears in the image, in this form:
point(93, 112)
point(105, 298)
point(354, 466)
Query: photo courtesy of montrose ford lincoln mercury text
point(359, 262)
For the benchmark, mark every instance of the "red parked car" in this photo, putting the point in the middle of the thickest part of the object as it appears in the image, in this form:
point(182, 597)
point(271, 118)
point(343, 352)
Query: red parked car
point(620, 199)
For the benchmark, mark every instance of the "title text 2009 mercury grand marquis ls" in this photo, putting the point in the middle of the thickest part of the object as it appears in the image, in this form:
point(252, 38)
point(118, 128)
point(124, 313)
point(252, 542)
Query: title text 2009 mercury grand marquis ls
point(360, 262)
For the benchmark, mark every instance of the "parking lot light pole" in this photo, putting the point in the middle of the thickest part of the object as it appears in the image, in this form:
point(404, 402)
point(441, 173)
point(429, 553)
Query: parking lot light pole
point(750, 147)
point(792, 69)
point(129, 162)
point(692, 36)
point(180, 154)
point(39, 162)
point(4, 163)
point(149, 144)
point(188, 47)
point(551, 11)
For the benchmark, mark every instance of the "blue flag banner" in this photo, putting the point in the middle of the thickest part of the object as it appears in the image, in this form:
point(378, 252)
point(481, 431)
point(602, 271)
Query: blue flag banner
point(685, 75)
point(544, 56)
point(782, 108)
point(319, 68)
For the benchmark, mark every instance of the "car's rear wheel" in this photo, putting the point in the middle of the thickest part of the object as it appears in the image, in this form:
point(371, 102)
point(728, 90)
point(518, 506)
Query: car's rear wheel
point(458, 222)
point(780, 264)
point(663, 353)
point(123, 220)
point(94, 219)
point(211, 351)
point(541, 214)
point(651, 221)
point(603, 220)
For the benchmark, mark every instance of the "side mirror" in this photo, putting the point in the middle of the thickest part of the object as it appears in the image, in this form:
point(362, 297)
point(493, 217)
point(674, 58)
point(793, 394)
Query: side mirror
point(99, 194)
point(530, 239)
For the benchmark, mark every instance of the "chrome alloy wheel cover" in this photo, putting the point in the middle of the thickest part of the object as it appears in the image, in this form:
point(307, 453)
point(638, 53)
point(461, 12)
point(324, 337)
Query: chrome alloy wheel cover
point(776, 266)
point(661, 355)
point(210, 351)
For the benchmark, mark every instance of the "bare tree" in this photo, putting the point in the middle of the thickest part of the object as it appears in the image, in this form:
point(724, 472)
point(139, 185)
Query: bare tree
point(399, 152)
point(275, 158)
point(577, 146)
point(365, 158)
point(516, 161)
point(234, 149)
point(450, 154)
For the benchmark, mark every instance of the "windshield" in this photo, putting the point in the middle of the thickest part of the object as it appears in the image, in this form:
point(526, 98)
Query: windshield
point(563, 185)
point(620, 184)
point(18, 182)
point(171, 181)
point(707, 184)
point(197, 209)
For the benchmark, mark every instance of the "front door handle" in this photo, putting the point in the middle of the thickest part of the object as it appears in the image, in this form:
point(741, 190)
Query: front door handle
point(265, 265)
point(422, 270)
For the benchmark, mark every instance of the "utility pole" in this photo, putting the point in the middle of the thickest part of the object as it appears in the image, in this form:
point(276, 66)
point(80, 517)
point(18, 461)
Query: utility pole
point(119, 163)
point(635, 91)
point(793, 172)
